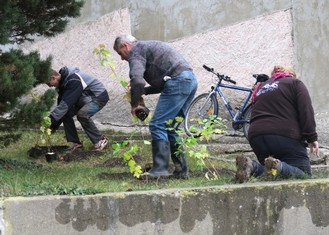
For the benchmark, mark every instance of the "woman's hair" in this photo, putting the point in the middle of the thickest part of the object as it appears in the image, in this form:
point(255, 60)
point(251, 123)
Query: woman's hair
point(126, 38)
point(288, 70)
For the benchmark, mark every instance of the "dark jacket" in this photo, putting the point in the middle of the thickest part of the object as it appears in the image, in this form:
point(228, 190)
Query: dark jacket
point(283, 107)
point(77, 88)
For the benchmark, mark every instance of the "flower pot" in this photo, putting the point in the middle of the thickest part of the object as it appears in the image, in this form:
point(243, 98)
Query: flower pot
point(51, 156)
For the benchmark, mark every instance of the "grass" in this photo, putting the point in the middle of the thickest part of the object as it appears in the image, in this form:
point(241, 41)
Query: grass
point(21, 175)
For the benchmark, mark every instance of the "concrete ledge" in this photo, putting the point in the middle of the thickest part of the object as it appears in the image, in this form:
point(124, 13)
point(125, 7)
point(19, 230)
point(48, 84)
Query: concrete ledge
point(287, 207)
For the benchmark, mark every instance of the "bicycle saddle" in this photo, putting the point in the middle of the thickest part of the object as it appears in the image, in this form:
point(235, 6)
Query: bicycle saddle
point(261, 77)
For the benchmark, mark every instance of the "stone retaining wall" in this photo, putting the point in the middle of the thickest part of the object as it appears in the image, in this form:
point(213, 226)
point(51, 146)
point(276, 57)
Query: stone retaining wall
point(289, 207)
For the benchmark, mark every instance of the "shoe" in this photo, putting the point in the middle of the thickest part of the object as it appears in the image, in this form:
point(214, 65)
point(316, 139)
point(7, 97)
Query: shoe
point(75, 146)
point(101, 144)
point(244, 168)
point(272, 168)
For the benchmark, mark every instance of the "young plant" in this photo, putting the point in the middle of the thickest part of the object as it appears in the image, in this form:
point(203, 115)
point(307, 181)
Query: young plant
point(106, 59)
point(129, 152)
point(190, 145)
point(46, 132)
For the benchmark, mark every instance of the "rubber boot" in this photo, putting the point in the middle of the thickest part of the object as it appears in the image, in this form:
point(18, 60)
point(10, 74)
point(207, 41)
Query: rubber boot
point(178, 158)
point(160, 152)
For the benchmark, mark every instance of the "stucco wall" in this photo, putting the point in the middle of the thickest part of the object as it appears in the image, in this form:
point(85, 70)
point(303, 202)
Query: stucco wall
point(238, 51)
point(311, 40)
point(179, 21)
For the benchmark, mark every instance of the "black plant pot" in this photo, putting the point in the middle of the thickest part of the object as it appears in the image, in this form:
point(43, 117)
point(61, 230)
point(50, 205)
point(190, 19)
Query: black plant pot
point(142, 114)
point(51, 156)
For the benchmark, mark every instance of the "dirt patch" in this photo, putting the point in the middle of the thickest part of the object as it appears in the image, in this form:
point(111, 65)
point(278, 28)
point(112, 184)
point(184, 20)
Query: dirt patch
point(62, 153)
point(119, 162)
point(40, 151)
point(79, 155)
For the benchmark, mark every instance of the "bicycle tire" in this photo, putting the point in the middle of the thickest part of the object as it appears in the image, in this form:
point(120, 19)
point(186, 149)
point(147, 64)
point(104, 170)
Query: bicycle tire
point(246, 116)
point(200, 108)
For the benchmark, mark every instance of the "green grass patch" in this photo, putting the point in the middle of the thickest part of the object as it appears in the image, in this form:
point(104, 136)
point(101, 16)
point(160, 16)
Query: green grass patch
point(21, 175)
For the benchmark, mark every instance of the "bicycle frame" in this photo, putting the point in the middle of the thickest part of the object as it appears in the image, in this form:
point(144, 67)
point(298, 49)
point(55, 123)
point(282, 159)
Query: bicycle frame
point(234, 115)
point(202, 108)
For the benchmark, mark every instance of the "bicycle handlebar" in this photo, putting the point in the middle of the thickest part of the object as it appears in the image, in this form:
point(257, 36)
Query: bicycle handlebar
point(220, 76)
point(207, 68)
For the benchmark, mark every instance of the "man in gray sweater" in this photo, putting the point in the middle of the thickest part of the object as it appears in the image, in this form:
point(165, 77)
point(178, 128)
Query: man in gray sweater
point(168, 73)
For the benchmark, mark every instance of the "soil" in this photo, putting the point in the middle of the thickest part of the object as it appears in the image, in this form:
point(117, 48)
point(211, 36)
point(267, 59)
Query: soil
point(119, 162)
point(79, 155)
point(63, 154)
point(39, 151)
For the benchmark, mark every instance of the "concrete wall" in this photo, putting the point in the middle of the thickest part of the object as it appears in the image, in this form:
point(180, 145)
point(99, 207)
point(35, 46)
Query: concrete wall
point(238, 51)
point(285, 208)
point(311, 40)
point(245, 36)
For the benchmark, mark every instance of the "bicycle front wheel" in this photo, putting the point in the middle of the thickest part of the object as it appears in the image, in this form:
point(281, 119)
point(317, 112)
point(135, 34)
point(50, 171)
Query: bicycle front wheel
point(202, 107)
point(246, 116)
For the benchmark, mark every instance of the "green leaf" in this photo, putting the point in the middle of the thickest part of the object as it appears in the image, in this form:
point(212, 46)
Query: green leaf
point(116, 146)
point(126, 156)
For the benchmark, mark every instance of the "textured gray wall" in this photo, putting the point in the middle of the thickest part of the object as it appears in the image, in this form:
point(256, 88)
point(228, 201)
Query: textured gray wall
point(311, 40)
point(238, 51)
point(171, 19)
point(194, 25)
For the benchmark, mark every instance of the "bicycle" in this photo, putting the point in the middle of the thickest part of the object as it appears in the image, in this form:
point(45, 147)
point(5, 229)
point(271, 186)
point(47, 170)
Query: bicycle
point(206, 106)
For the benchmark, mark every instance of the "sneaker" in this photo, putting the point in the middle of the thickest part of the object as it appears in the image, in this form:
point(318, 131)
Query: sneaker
point(101, 144)
point(272, 167)
point(244, 168)
point(75, 146)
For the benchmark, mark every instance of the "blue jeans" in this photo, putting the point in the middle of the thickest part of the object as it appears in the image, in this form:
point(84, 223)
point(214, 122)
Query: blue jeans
point(84, 115)
point(176, 96)
point(292, 154)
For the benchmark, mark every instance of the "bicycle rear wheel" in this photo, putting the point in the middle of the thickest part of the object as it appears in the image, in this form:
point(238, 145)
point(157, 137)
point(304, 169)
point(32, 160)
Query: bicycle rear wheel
point(246, 116)
point(202, 107)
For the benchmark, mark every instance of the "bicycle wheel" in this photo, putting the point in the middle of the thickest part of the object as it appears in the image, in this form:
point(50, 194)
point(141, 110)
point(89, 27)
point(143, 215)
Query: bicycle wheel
point(246, 116)
point(200, 108)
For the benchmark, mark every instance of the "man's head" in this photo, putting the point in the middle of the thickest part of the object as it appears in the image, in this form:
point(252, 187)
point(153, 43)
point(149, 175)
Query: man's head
point(123, 44)
point(54, 79)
